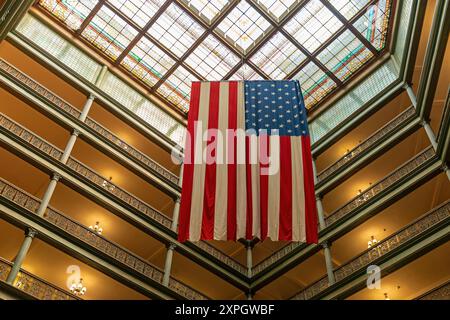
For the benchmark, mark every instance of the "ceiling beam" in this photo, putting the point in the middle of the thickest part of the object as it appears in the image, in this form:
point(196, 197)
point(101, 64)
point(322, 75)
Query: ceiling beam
point(90, 16)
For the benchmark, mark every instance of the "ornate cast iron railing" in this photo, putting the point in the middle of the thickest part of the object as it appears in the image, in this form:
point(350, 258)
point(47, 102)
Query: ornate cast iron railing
point(34, 286)
point(354, 153)
point(370, 256)
point(113, 190)
point(362, 199)
point(26, 201)
point(58, 103)
point(442, 292)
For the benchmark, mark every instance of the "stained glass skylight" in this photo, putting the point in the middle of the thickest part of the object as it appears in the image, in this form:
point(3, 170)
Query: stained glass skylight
point(176, 30)
point(166, 44)
point(314, 24)
point(72, 13)
point(244, 26)
point(109, 33)
point(147, 62)
point(212, 59)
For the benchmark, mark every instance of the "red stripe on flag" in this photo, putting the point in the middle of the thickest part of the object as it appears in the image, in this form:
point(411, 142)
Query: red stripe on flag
point(310, 197)
point(209, 196)
point(248, 173)
point(264, 184)
point(232, 124)
point(188, 169)
point(285, 230)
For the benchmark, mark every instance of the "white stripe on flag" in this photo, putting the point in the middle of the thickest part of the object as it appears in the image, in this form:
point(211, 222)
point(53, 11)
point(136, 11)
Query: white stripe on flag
point(220, 209)
point(241, 187)
point(254, 160)
point(195, 226)
point(273, 206)
point(298, 192)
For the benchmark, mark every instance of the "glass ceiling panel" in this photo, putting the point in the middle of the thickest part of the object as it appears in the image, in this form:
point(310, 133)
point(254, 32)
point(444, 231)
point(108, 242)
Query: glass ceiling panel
point(212, 59)
point(177, 88)
point(176, 30)
point(243, 26)
point(276, 8)
point(345, 55)
point(373, 25)
point(140, 11)
point(70, 12)
point(315, 83)
point(109, 33)
point(206, 9)
point(313, 25)
point(245, 72)
point(278, 57)
point(147, 62)
point(348, 8)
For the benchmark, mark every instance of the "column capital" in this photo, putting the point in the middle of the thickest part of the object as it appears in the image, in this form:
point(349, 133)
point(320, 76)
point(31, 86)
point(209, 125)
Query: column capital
point(76, 132)
point(326, 244)
point(30, 232)
point(56, 176)
point(171, 246)
point(178, 199)
point(91, 96)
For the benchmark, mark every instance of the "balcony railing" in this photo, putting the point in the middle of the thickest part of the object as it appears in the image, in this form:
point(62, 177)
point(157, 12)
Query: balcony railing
point(380, 134)
point(58, 103)
point(440, 293)
point(34, 286)
point(353, 204)
point(113, 190)
point(83, 233)
point(370, 256)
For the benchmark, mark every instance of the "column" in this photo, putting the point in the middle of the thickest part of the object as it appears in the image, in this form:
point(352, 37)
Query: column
point(411, 95)
point(319, 206)
point(176, 209)
point(249, 295)
point(29, 235)
point(69, 146)
point(168, 264)
point(249, 248)
point(48, 194)
point(86, 108)
point(328, 262)
point(430, 134)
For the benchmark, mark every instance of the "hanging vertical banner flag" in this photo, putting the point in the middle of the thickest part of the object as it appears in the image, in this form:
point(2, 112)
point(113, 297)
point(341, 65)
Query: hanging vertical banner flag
point(247, 164)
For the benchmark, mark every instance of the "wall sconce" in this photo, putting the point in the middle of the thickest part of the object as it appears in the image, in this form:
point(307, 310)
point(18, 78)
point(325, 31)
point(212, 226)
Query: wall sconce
point(78, 289)
point(108, 185)
point(372, 242)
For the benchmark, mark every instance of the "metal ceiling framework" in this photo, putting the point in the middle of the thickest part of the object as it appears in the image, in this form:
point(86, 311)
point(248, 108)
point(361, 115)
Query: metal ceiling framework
point(211, 29)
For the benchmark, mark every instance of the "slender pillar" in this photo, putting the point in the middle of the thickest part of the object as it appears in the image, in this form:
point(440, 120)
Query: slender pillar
point(175, 216)
point(168, 264)
point(249, 296)
point(319, 206)
point(328, 263)
point(430, 134)
point(48, 194)
point(411, 95)
point(87, 107)
point(69, 146)
point(249, 248)
point(29, 235)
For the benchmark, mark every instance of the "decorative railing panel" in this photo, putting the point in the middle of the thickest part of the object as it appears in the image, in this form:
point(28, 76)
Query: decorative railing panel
point(384, 247)
point(58, 103)
point(118, 193)
point(34, 286)
point(355, 203)
point(440, 293)
point(366, 144)
point(75, 229)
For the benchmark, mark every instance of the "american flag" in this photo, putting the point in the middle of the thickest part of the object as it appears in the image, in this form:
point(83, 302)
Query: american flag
point(257, 184)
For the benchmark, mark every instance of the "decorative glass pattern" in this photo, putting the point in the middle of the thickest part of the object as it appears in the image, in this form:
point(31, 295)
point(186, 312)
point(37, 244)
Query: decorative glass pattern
point(373, 25)
point(244, 26)
point(245, 72)
point(348, 8)
point(147, 62)
point(176, 30)
point(139, 11)
point(278, 57)
point(315, 83)
point(345, 55)
point(313, 25)
point(277, 8)
point(212, 59)
point(206, 9)
point(70, 12)
point(177, 88)
point(109, 33)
